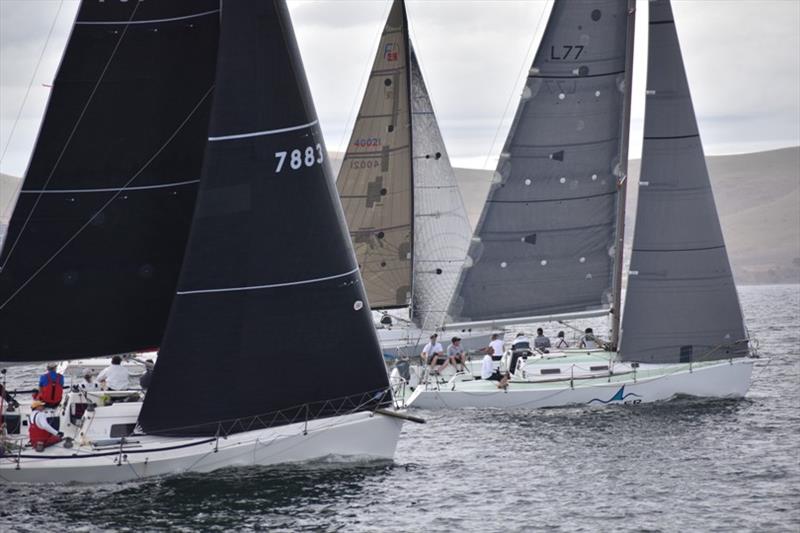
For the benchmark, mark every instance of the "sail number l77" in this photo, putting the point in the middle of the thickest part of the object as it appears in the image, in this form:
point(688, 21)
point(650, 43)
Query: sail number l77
point(309, 156)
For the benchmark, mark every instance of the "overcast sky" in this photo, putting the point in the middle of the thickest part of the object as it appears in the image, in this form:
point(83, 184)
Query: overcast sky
point(742, 58)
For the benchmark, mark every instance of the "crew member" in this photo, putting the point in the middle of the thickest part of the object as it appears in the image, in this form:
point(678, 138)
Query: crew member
point(114, 377)
point(561, 342)
point(541, 342)
point(433, 353)
point(588, 340)
point(495, 348)
point(51, 387)
point(455, 354)
point(41, 433)
point(488, 372)
point(521, 347)
point(147, 377)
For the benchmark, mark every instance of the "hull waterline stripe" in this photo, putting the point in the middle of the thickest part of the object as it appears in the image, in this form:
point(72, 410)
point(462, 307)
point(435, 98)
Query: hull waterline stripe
point(261, 133)
point(153, 21)
point(271, 286)
point(112, 189)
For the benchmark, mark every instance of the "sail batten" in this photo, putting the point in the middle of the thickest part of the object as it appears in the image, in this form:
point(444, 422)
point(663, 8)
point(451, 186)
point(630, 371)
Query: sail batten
point(681, 304)
point(545, 241)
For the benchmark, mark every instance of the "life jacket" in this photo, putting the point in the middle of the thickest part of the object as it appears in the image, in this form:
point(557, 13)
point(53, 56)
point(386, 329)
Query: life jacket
point(36, 433)
point(52, 392)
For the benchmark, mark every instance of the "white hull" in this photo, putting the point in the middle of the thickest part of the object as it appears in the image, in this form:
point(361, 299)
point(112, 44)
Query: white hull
point(651, 383)
point(356, 436)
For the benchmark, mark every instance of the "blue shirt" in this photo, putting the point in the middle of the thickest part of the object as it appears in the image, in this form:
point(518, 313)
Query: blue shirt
point(53, 376)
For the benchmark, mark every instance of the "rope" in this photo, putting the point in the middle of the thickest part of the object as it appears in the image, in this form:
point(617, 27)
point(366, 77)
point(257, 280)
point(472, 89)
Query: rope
point(30, 84)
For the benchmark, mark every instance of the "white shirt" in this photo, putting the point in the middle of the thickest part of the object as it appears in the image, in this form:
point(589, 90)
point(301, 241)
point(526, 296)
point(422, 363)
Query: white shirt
point(497, 346)
point(562, 343)
point(431, 349)
point(116, 377)
point(89, 385)
point(521, 340)
point(588, 342)
point(40, 419)
point(487, 369)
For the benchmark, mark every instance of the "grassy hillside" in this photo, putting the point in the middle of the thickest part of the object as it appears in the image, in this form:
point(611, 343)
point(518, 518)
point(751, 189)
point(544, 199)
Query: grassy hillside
point(758, 199)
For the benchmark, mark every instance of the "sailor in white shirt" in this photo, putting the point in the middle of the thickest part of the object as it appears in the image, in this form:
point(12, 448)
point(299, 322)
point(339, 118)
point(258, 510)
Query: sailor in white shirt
point(588, 341)
point(433, 353)
point(496, 348)
point(488, 372)
point(115, 377)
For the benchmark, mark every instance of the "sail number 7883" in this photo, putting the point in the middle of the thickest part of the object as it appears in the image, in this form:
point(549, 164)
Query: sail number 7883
point(308, 157)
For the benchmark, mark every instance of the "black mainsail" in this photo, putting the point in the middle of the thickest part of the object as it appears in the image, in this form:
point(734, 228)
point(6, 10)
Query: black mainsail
point(407, 218)
point(269, 254)
point(94, 247)
point(681, 303)
point(545, 242)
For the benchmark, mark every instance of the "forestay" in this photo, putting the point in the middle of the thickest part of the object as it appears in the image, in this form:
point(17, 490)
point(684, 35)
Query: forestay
point(681, 303)
point(441, 228)
point(375, 182)
point(545, 241)
point(269, 259)
point(95, 243)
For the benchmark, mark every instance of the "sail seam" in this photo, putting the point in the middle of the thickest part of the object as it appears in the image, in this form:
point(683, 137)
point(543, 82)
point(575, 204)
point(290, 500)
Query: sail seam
point(575, 76)
point(153, 21)
point(678, 249)
point(552, 200)
point(270, 286)
point(654, 22)
point(261, 133)
point(110, 189)
point(668, 137)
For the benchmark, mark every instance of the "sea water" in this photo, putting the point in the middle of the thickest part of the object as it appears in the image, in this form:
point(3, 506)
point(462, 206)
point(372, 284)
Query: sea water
point(685, 465)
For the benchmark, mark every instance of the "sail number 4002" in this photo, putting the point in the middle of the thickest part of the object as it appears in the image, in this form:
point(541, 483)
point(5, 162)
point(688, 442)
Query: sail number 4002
point(310, 156)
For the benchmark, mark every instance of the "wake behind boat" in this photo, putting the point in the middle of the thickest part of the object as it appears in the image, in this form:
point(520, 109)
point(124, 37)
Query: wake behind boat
point(264, 166)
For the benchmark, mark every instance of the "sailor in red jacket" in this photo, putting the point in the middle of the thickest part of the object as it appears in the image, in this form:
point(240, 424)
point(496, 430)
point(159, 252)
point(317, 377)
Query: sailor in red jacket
point(51, 387)
point(41, 433)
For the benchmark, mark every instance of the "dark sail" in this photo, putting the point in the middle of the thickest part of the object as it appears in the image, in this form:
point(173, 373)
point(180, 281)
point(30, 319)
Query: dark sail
point(375, 182)
point(270, 317)
point(545, 240)
point(681, 304)
point(94, 247)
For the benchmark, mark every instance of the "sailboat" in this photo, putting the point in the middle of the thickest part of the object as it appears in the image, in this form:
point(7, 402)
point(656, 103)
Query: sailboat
point(241, 298)
point(682, 330)
point(401, 200)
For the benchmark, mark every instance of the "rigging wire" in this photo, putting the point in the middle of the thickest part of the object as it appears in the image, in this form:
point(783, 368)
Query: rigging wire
point(66, 145)
point(110, 200)
point(525, 65)
point(30, 84)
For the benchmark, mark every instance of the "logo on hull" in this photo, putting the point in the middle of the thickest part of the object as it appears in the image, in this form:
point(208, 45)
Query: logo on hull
point(619, 396)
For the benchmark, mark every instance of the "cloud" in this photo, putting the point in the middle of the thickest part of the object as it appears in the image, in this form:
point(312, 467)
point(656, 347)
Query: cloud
point(741, 56)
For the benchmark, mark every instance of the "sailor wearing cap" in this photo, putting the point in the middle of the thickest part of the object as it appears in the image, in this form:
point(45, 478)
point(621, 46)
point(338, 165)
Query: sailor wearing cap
point(456, 355)
point(433, 353)
point(41, 433)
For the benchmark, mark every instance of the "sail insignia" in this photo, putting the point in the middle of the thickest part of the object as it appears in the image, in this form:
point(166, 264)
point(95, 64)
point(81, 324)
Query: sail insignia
point(681, 303)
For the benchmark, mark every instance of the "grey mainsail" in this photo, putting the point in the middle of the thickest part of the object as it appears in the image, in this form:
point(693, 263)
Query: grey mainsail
point(441, 228)
point(375, 181)
point(405, 212)
point(545, 241)
point(681, 304)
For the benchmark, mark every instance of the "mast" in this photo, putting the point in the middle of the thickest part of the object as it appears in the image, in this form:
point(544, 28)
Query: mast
point(93, 251)
point(269, 253)
point(622, 181)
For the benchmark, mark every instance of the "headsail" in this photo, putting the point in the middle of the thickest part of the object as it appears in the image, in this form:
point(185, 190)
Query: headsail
point(681, 303)
point(94, 247)
point(270, 323)
point(441, 228)
point(375, 181)
point(545, 240)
